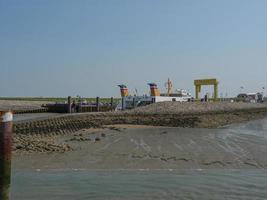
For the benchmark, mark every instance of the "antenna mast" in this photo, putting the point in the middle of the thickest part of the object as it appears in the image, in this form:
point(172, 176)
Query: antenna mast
point(168, 86)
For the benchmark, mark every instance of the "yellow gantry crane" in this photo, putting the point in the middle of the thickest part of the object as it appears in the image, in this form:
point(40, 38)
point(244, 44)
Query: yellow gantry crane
point(200, 82)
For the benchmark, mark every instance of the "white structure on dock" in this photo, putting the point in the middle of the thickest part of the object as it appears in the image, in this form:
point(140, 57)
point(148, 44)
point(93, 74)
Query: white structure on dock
point(155, 96)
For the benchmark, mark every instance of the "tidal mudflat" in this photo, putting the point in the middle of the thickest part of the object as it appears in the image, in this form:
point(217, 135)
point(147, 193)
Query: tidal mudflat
point(141, 147)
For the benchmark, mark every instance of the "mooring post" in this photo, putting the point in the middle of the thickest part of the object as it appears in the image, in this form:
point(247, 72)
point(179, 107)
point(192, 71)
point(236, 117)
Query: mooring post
point(69, 104)
point(97, 104)
point(5, 153)
point(122, 103)
point(111, 103)
point(133, 102)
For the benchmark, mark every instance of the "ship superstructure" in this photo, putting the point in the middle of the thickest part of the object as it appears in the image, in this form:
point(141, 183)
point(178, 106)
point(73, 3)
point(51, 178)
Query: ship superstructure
point(129, 101)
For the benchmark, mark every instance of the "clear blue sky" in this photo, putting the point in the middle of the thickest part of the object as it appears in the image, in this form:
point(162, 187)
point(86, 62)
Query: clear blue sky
point(87, 47)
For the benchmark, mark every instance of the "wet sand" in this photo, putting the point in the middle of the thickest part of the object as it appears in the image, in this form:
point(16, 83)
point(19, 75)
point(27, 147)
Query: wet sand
point(240, 146)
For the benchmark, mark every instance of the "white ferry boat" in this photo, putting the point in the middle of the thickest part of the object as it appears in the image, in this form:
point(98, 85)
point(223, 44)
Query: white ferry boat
point(129, 101)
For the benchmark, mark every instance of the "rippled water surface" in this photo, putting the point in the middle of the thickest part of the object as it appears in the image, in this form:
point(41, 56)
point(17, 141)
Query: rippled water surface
point(69, 185)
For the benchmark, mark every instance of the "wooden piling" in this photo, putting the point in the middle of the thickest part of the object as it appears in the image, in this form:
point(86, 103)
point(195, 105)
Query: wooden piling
point(122, 103)
point(133, 102)
point(69, 104)
point(111, 103)
point(97, 104)
point(6, 119)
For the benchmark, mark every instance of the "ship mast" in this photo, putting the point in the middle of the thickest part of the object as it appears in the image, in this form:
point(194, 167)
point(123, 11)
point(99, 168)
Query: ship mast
point(168, 86)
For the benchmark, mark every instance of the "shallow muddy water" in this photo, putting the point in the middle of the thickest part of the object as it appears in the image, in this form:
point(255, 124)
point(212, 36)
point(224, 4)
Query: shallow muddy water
point(135, 184)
